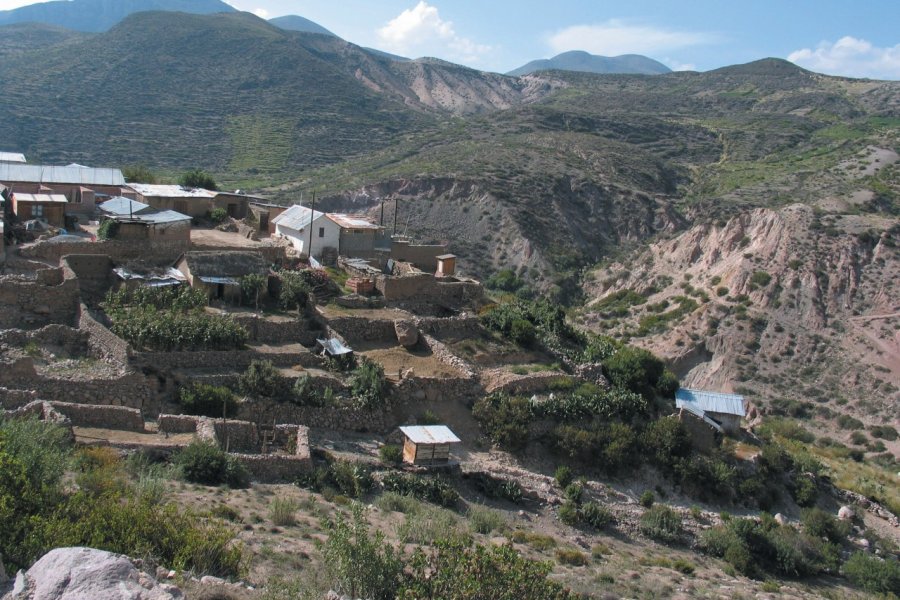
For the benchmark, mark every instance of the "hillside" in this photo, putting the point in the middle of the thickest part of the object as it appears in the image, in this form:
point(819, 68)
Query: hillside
point(100, 15)
point(22, 37)
point(591, 63)
point(298, 23)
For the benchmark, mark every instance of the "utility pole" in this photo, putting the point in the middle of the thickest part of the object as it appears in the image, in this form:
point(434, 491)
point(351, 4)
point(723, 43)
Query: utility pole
point(396, 208)
point(312, 216)
point(382, 213)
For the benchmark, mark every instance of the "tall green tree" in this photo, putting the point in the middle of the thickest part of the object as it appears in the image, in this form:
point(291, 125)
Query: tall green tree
point(198, 178)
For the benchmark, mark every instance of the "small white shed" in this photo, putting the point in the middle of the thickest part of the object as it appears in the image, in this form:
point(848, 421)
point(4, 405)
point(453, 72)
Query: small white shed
point(427, 444)
point(294, 223)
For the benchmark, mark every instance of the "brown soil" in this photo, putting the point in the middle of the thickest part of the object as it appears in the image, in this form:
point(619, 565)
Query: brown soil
point(396, 359)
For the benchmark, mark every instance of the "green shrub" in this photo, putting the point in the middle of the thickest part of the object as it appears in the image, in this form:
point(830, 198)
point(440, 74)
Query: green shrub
point(197, 178)
point(391, 454)
point(804, 491)
point(563, 476)
point(251, 286)
point(207, 400)
point(885, 432)
point(574, 491)
point(295, 291)
point(571, 557)
point(522, 332)
point(225, 512)
point(661, 523)
point(568, 513)
point(599, 348)
point(108, 229)
point(218, 214)
point(368, 385)
point(351, 479)
point(664, 441)
point(430, 489)
point(394, 502)
point(647, 499)
point(504, 419)
point(760, 278)
point(721, 291)
point(496, 488)
point(484, 520)
point(504, 280)
point(305, 393)
point(260, 380)
point(538, 541)
point(634, 369)
point(283, 512)
point(595, 515)
point(818, 523)
point(429, 525)
point(206, 464)
point(873, 574)
point(358, 564)
point(180, 298)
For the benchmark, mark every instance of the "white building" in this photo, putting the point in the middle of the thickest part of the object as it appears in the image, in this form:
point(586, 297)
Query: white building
point(294, 223)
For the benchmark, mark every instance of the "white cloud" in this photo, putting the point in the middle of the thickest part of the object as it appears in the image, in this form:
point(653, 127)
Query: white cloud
point(261, 13)
point(421, 31)
point(852, 57)
point(11, 4)
point(676, 65)
point(616, 37)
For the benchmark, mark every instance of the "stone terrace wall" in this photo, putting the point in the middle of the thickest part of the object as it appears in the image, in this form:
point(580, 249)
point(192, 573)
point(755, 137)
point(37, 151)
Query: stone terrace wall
point(510, 383)
point(152, 252)
point(106, 417)
point(69, 339)
point(236, 436)
point(177, 423)
point(330, 417)
point(236, 360)
point(357, 329)
point(264, 330)
point(103, 342)
point(132, 390)
point(275, 468)
point(452, 327)
point(14, 399)
point(50, 298)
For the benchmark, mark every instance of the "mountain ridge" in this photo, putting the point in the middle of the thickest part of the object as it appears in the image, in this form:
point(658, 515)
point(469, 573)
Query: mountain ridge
point(580, 61)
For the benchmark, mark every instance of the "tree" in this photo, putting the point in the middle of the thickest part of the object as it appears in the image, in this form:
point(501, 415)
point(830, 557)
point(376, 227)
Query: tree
point(251, 285)
point(198, 178)
point(259, 380)
point(138, 174)
point(635, 369)
point(294, 291)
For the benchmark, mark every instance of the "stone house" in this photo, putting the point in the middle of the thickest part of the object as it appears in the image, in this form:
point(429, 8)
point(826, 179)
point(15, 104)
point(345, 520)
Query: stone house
point(219, 273)
point(726, 410)
point(138, 221)
point(358, 236)
point(194, 202)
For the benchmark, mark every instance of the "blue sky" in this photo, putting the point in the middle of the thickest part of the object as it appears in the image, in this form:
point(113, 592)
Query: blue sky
point(860, 38)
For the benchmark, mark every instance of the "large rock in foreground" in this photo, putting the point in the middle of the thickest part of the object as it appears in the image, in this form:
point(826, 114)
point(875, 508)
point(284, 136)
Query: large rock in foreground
point(88, 574)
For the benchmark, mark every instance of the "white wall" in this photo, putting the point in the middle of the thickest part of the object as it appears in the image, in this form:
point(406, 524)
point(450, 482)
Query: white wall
point(299, 239)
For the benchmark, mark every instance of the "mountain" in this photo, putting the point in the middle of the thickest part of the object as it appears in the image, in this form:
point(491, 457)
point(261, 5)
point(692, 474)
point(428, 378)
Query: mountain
point(21, 37)
point(298, 23)
point(100, 15)
point(577, 60)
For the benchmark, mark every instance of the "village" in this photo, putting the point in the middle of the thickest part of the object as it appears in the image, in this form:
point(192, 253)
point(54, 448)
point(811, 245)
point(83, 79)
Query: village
point(146, 318)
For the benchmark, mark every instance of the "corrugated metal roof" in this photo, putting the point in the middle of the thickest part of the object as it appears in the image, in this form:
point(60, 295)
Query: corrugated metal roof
point(12, 172)
point(430, 434)
point(701, 415)
point(222, 280)
point(351, 222)
point(160, 217)
point(170, 191)
point(334, 347)
point(713, 402)
point(41, 198)
point(296, 217)
point(13, 157)
point(171, 274)
point(123, 206)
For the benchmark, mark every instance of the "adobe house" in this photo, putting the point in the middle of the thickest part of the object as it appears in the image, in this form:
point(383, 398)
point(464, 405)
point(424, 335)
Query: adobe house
point(294, 223)
point(358, 235)
point(725, 410)
point(138, 221)
point(219, 273)
point(50, 208)
point(264, 213)
point(82, 186)
point(427, 445)
point(194, 202)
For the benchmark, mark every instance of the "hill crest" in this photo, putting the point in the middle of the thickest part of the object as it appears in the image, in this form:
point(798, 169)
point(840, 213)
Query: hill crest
point(580, 61)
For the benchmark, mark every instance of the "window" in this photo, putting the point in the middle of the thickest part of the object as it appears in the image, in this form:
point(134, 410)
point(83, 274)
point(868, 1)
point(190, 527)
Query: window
point(37, 210)
point(321, 232)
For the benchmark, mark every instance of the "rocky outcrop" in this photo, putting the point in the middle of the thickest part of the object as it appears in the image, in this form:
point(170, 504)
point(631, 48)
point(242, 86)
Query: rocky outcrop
point(85, 573)
point(407, 333)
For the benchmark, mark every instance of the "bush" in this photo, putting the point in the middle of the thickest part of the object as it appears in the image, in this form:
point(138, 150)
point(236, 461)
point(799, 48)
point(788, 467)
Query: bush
point(108, 229)
point(360, 565)
point(647, 499)
point(352, 480)
point(568, 513)
point(665, 441)
point(305, 393)
point(251, 286)
point(260, 380)
point(430, 489)
point(218, 214)
point(391, 454)
point(563, 476)
point(294, 292)
point(634, 369)
point(505, 419)
point(818, 523)
point(484, 520)
point(804, 491)
point(197, 178)
point(206, 464)
point(661, 523)
point(595, 515)
point(885, 432)
point(394, 502)
point(522, 332)
point(428, 525)
point(368, 385)
point(873, 574)
point(207, 400)
point(571, 557)
point(283, 512)
point(504, 280)
point(496, 488)
point(574, 491)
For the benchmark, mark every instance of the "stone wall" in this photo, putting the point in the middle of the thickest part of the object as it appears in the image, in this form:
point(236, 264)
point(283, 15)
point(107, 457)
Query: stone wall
point(702, 434)
point(330, 417)
point(272, 332)
point(104, 343)
point(14, 399)
point(453, 327)
point(177, 423)
point(30, 304)
point(360, 329)
point(235, 360)
point(131, 390)
point(526, 384)
point(236, 436)
point(150, 252)
point(71, 340)
point(275, 468)
point(106, 417)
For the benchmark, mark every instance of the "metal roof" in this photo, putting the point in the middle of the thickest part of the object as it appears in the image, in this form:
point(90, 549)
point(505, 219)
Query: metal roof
point(16, 172)
point(41, 198)
point(123, 206)
point(334, 347)
point(352, 222)
point(171, 274)
point(13, 157)
point(222, 280)
point(701, 415)
point(430, 434)
point(297, 217)
point(712, 402)
point(159, 217)
point(170, 191)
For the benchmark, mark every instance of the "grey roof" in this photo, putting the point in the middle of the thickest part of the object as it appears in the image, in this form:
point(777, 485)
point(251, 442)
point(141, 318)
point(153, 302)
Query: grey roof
point(334, 347)
point(157, 218)
point(57, 198)
point(123, 206)
point(430, 434)
point(297, 217)
point(12, 172)
point(710, 402)
point(701, 415)
point(222, 280)
point(13, 157)
point(225, 264)
point(170, 191)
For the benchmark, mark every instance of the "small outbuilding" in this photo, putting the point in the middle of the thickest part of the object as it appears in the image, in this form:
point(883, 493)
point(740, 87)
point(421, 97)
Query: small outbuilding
point(427, 445)
point(50, 208)
point(293, 225)
point(726, 410)
point(219, 273)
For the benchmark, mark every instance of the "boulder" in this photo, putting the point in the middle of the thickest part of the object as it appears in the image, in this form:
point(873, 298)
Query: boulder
point(846, 513)
point(407, 333)
point(780, 519)
point(76, 573)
